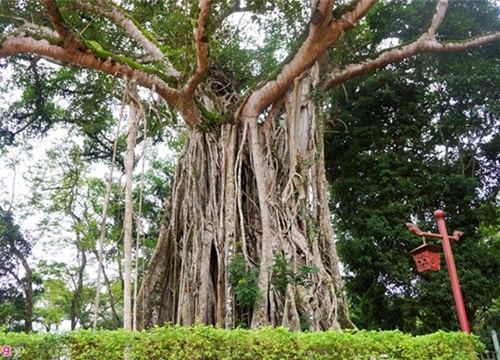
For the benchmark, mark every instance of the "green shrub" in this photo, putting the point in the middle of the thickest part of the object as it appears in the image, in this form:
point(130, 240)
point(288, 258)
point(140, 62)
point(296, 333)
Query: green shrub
point(205, 342)
point(243, 278)
point(283, 274)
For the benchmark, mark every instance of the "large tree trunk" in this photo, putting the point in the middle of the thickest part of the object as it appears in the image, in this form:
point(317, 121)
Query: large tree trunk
point(246, 234)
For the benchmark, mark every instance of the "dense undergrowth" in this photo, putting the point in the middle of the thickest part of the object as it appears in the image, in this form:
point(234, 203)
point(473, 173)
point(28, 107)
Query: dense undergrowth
point(202, 342)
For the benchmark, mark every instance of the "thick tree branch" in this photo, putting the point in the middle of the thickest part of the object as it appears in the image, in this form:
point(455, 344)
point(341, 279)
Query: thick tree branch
point(140, 35)
point(15, 45)
point(437, 19)
point(324, 30)
point(425, 44)
point(201, 44)
point(70, 39)
point(190, 112)
point(26, 25)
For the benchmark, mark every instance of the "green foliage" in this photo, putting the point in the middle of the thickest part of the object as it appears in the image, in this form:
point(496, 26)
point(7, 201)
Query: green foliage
point(283, 274)
point(34, 112)
point(14, 248)
point(409, 150)
point(243, 278)
point(158, 178)
point(403, 142)
point(405, 20)
point(67, 197)
point(200, 342)
point(60, 295)
point(488, 318)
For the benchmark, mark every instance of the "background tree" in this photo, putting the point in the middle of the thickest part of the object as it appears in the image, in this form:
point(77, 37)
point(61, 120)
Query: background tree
point(488, 318)
point(63, 192)
point(17, 281)
point(250, 182)
point(64, 302)
point(404, 142)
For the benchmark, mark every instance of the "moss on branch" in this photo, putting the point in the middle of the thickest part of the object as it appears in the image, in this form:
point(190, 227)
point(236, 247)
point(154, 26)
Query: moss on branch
point(106, 54)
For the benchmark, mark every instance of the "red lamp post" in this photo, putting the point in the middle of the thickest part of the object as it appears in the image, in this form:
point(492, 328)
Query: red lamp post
point(450, 263)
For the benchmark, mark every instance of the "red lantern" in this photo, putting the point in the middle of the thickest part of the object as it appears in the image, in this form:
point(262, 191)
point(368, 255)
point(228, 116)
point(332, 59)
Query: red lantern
point(426, 258)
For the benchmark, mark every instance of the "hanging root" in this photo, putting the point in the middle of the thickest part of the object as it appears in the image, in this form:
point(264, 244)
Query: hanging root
point(246, 236)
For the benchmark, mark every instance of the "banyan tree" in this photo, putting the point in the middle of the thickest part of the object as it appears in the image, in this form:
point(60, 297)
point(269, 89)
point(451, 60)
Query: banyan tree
point(246, 233)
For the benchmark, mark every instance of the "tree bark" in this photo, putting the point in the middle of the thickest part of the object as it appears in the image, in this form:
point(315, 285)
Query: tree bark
point(133, 125)
point(258, 189)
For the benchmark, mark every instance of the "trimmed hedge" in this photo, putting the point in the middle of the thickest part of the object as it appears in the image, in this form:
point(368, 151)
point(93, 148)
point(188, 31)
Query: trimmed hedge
point(205, 342)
